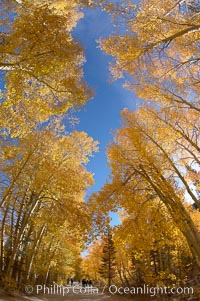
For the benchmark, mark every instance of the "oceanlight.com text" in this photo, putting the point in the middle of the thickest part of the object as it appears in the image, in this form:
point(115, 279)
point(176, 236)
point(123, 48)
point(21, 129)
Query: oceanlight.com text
point(113, 289)
point(152, 291)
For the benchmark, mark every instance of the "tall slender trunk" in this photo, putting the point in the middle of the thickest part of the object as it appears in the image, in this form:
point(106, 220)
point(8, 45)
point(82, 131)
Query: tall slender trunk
point(33, 204)
point(178, 212)
point(35, 249)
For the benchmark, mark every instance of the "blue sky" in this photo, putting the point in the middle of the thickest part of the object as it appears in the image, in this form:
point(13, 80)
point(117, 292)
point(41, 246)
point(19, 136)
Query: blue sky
point(101, 115)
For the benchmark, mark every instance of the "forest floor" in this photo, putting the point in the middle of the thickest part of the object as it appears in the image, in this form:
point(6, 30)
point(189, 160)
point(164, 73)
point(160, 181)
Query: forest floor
point(72, 295)
point(72, 298)
point(105, 297)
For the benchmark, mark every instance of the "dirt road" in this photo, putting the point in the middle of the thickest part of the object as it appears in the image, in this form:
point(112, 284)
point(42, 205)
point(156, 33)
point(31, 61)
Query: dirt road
point(69, 294)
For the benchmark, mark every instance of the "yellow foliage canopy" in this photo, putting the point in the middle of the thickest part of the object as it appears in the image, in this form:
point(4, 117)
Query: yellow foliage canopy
point(42, 65)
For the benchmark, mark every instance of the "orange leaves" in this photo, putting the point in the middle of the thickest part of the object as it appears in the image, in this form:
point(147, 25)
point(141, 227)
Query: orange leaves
point(91, 262)
point(44, 179)
point(150, 157)
point(44, 175)
point(160, 50)
point(43, 65)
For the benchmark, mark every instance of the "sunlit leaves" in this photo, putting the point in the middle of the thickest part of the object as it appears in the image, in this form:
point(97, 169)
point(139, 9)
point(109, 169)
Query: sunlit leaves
point(42, 65)
point(160, 51)
point(44, 179)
